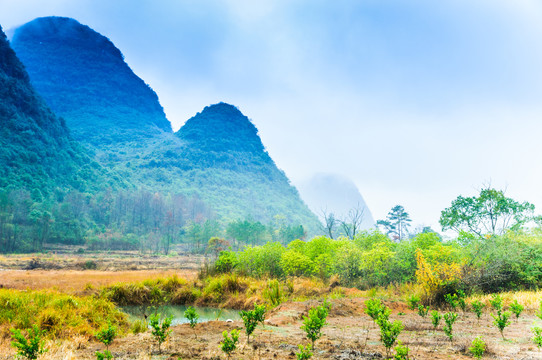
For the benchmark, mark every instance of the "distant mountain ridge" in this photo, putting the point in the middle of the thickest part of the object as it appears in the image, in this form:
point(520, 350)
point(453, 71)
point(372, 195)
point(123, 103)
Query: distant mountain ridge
point(217, 155)
point(69, 63)
point(36, 149)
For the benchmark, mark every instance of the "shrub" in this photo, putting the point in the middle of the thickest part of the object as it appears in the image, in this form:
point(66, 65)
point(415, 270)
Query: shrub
point(413, 301)
point(192, 316)
point(251, 319)
point(539, 313)
point(160, 328)
point(477, 307)
point(106, 335)
point(304, 352)
point(502, 320)
point(537, 338)
point(451, 300)
point(461, 300)
point(516, 308)
point(435, 318)
point(375, 309)
point(228, 345)
point(389, 331)
point(106, 355)
point(496, 302)
point(449, 320)
point(29, 348)
point(423, 310)
point(478, 348)
point(401, 352)
point(314, 323)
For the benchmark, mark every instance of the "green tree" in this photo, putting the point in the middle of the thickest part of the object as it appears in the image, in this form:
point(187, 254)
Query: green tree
point(192, 316)
point(490, 213)
point(160, 329)
point(313, 324)
point(396, 224)
point(29, 348)
point(228, 345)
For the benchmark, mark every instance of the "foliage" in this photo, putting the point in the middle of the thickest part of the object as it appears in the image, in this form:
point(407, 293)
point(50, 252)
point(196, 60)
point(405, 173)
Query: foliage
point(396, 224)
point(106, 335)
point(490, 213)
point(313, 324)
point(229, 344)
point(30, 348)
point(160, 328)
point(516, 308)
point(537, 338)
point(376, 310)
point(58, 315)
point(251, 319)
point(423, 310)
point(413, 301)
point(477, 307)
point(435, 318)
point(401, 352)
point(496, 302)
point(192, 316)
point(449, 320)
point(389, 331)
point(501, 320)
point(539, 312)
point(304, 353)
point(106, 355)
point(478, 348)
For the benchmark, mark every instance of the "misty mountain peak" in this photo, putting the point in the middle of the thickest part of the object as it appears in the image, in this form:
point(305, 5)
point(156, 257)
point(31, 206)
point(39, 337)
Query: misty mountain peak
point(84, 78)
point(222, 127)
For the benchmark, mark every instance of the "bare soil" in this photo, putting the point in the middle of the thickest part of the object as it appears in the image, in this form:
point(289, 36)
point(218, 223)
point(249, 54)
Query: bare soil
point(350, 334)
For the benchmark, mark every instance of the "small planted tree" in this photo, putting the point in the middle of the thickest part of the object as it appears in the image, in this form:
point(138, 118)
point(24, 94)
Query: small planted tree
point(435, 318)
point(537, 338)
point(461, 300)
point(30, 348)
point(423, 310)
point(160, 329)
point(401, 352)
point(449, 320)
point(106, 335)
point(304, 353)
point(451, 300)
point(375, 309)
point(106, 355)
point(478, 308)
point(501, 320)
point(496, 302)
point(389, 331)
point(478, 348)
point(229, 344)
point(516, 308)
point(192, 316)
point(251, 319)
point(539, 313)
point(313, 324)
point(413, 301)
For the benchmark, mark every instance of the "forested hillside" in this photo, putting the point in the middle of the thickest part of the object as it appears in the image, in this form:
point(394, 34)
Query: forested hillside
point(187, 186)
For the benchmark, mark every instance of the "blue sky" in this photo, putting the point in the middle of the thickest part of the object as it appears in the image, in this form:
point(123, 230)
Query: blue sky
point(415, 101)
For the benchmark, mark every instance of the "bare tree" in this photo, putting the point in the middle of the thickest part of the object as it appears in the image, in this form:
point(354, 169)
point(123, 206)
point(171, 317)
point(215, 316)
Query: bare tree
point(330, 223)
point(352, 222)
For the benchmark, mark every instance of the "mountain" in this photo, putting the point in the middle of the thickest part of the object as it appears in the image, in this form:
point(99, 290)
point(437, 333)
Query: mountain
point(217, 156)
point(84, 78)
point(335, 194)
point(36, 149)
point(227, 158)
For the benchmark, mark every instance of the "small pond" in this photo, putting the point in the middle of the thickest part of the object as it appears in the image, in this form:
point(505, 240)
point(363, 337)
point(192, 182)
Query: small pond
point(177, 311)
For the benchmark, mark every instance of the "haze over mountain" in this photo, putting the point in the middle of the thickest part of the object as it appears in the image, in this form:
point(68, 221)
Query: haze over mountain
point(84, 78)
point(332, 193)
point(36, 149)
point(217, 155)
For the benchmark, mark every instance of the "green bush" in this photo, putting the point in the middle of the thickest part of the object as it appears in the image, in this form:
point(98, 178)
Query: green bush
point(501, 320)
point(496, 302)
point(449, 320)
point(29, 348)
point(106, 355)
point(413, 301)
point(516, 308)
point(401, 352)
point(435, 318)
point(106, 335)
point(537, 338)
point(192, 316)
point(477, 307)
point(228, 345)
point(389, 331)
point(478, 348)
point(375, 309)
point(313, 324)
point(423, 310)
point(160, 328)
point(304, 353)
point(251, 319)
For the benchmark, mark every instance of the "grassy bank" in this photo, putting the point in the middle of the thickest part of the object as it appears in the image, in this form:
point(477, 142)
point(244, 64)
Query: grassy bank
point(59, 315)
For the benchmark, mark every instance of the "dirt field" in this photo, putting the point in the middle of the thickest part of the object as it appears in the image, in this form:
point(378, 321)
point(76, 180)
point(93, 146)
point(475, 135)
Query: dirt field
point(350, 334)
